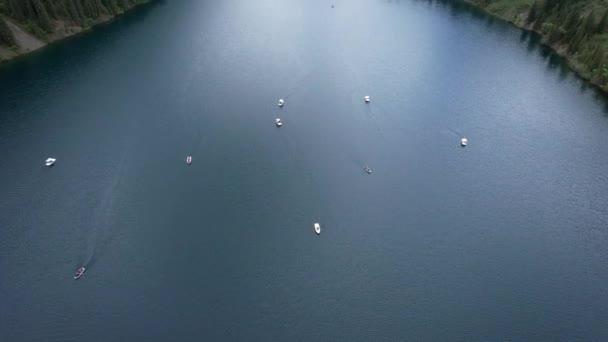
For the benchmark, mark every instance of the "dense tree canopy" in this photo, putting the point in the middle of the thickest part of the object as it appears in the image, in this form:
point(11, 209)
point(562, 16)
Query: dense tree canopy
point(6, 36)
point(579, 27)
point(42, 11)
point(38, 16)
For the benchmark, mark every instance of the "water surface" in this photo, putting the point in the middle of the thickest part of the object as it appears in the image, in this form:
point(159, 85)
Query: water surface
point(502, 240)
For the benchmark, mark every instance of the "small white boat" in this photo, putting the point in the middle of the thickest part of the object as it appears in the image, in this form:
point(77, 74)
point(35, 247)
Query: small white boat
point(367, 99)
point(281, 102)
point(317, 228)
point(368, 170)
point(463, 142)
point(189, 160)
point(278, 122)
point(50, 161)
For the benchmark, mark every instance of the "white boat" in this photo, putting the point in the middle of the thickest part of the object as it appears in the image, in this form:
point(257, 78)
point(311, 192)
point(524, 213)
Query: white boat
point(281, 102)
point(50, 161)
point(189, 160)
point(463, 142)
point(367, 169)
point(317, 228)
point(367, 99)
point(278, 122)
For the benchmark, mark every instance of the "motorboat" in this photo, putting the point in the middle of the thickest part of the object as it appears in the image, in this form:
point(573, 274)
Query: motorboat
point(368, 170)
point(189, 160)
point(463, 142)
point(50, 162)
point(367, 99)
point(278, 122)
point(79, 273)
point(281, 102)
point(317, 228)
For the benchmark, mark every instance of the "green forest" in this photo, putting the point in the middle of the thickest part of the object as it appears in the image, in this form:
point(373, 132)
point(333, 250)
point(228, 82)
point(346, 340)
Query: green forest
point(577, 29)
point(39, 17)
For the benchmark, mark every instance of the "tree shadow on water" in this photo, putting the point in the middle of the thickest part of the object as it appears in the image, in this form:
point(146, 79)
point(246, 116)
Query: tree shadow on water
point(584, 86)
point(545, 52)
point(605, 108)
point(557, 64)
point(553, 62)
point(600, 98)
point(533, 43)
point(564, 70)
point(490, 21)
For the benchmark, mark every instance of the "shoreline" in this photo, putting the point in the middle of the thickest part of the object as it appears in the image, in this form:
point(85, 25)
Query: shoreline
point(28, 43)
point(556, 48)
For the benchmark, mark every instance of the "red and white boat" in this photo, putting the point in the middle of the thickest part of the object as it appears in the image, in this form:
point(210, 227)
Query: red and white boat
point(79, 272)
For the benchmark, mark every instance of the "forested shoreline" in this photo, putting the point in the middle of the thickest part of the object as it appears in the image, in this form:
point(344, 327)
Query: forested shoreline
point(576, 29)
point(49, 20)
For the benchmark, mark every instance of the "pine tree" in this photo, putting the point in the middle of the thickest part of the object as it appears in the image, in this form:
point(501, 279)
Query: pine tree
point(50, 8)
point(597, 58)
point(532, 14)
point(73, 11)
point(555, 34)
point(588, 54)
point(43, 17)
point(551, 4)
point(571, 22)
point(603, 22)
point(603, 74)
point(590, 25)
point(577, 40)
point(16, 8)
point(6, 35)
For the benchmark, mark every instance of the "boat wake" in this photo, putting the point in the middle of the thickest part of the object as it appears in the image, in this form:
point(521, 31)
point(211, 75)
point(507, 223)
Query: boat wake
point(375, 119)
point(100, 233)
point(301, 81)
point(196, 142)
point(454, 132)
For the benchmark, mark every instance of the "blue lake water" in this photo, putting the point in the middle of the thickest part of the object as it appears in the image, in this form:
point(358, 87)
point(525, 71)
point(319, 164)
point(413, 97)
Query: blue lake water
point(504, 240)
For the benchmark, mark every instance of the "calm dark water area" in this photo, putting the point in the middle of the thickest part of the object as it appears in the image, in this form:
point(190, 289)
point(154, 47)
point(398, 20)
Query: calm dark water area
point(505, 239)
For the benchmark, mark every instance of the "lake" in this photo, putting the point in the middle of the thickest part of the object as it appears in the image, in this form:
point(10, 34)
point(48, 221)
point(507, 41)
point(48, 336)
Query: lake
point(504, 240)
